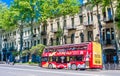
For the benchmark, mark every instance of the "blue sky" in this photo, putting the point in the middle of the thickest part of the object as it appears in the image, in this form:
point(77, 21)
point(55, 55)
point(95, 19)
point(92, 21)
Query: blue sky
point(7, 1)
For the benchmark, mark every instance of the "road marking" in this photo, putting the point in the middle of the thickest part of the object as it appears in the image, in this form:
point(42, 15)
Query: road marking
point(53, 72)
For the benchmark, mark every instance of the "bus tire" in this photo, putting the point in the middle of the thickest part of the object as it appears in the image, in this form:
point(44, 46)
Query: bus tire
point(50, 66)
point(73, 67)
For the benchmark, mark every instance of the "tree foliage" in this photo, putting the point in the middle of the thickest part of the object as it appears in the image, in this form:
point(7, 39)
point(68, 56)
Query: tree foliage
point(118, 14)
point(37, 50)
point(6, 18)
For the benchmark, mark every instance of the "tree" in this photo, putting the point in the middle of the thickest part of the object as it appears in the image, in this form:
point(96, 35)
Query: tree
point(6, 21)
point(118, 13)
point(96, 3)
point(18, 9)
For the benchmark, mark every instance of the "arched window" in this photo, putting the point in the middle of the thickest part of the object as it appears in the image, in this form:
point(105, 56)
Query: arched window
point(51, 41)
point(72, 38)
point(81, 37)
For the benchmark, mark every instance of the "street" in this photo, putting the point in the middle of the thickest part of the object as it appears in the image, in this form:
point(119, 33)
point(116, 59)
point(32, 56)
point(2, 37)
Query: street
point(26, 70)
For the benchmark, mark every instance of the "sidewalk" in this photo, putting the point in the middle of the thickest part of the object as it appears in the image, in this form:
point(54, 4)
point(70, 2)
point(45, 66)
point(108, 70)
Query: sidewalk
point(2, 62)
point(27, 64)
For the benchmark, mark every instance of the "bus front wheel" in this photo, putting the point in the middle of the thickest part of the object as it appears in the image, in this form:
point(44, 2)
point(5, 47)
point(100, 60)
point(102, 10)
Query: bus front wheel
point(50, 66)
point(73, 67)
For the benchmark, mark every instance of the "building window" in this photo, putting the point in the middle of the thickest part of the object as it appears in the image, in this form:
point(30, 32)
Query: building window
point(44, 28)
point(14, 33)
point(108, 38)
point(35, 43)
point(28, 44)
point(109, 13)
point(57, 41)
point(65, 39)
point(72, 38)
point(64, 23)
point(72, 19)
point(90, 35)
point(81, 19)
point(58, 25)
point(10, 34)
point(25, 44)
point(103, 35)
point(25, 33)
point(91, 16)
point(112, 33)
point(51, 41)
point(44, 41)
point(88, 18)
point(104, 15)
point(51, 26)
point(82, 37)
point(35, 31)
point(12, 44)
point(38, 41)
point(38, 29)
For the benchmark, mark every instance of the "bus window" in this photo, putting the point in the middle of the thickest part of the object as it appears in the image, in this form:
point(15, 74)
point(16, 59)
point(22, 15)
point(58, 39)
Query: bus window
point(79, 58)
point(72, 58)
point(61, 50)
point(44, 59)
point(62, 59)
point(68, 59)
point(82, 48)
point(53, 58)
point(50, 59)
point(51, 50)
point(46, 50)
point(74, 48)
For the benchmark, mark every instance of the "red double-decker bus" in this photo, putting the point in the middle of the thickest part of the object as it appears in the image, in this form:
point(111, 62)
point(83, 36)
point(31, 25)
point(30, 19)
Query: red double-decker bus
point(73, 56)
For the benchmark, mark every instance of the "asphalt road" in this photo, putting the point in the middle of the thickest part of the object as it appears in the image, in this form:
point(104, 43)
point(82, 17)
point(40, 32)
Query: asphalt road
point(25, 70)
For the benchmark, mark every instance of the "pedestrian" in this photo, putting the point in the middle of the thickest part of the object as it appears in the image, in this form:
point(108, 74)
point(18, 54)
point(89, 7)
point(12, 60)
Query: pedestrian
point(14, 61)
point(104, 61)
point(115, 61)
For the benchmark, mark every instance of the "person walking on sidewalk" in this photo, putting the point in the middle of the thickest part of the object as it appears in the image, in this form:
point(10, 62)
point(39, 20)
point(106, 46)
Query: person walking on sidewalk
point(115, 61)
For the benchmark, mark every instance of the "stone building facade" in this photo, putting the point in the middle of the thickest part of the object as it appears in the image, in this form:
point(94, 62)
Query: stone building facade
point(79, 28)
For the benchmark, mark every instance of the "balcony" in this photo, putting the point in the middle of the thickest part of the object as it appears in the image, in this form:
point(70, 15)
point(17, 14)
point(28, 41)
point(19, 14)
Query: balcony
point(54, 30)
point(108, 20)
point(70, 27)
point(5, 39)
point(88, 23)
point(43, 32)
point(34, 35)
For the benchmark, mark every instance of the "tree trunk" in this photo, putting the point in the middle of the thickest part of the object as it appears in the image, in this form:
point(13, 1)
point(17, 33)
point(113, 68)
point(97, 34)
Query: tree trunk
point(21, 38)
point(99, 25)
point(114, 27)
point(31, 29)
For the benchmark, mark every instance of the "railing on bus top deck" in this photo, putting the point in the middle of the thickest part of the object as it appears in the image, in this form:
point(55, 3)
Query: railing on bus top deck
point(64, 49)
